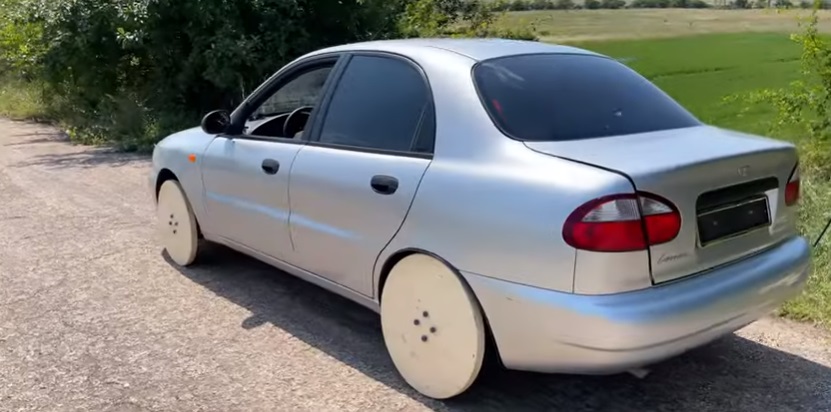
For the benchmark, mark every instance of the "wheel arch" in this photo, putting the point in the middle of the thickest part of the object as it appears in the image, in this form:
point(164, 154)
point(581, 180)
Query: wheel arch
point(164, 175)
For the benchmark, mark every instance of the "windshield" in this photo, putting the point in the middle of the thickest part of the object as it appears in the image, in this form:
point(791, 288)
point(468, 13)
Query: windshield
point(557, 97)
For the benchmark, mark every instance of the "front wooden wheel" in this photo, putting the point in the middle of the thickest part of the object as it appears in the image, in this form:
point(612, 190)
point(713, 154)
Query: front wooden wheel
point(177, 224)
point(433, 327)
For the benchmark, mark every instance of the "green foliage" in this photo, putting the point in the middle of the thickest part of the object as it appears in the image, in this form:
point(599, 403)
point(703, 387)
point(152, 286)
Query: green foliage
point(612, 4)
point(455, 18)
point(806, 102)
point(804, 108)
point(132, 71)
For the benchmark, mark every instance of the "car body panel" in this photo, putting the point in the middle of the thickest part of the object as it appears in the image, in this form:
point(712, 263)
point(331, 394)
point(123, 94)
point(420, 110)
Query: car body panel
point(339, 224)
point(172, 153)
point(242, 202)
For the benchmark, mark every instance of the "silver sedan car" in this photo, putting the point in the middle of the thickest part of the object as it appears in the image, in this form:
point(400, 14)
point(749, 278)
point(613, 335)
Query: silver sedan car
point(540, 204)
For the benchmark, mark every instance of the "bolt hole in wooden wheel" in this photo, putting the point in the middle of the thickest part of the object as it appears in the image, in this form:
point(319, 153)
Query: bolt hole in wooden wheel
point(433, 327)
point(176, 224)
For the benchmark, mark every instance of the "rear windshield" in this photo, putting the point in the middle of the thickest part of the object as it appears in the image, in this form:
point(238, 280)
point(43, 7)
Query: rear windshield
point(557, 97)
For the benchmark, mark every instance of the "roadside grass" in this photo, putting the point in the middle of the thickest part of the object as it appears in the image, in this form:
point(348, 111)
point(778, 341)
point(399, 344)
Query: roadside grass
point(20, 100)
point(699, 71)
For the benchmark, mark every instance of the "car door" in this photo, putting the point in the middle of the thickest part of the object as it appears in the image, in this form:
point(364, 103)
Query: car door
point(246, 175)
point(352, 185)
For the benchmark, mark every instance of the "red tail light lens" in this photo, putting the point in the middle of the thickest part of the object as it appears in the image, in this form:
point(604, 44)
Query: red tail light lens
point(792, 188)
point(622, 223)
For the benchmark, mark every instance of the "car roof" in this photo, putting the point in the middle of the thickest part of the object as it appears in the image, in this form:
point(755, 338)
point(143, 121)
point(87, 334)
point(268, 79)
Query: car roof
point(474, 48)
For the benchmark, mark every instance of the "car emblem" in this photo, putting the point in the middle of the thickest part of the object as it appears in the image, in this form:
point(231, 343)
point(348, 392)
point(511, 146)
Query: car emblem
point(744, 171)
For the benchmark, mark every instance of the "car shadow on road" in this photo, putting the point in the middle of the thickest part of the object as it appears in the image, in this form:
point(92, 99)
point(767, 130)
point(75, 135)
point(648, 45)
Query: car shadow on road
point(733, 374)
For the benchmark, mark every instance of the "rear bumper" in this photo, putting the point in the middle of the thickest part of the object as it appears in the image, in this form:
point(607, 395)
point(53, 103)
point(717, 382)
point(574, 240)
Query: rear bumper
point(549, 331)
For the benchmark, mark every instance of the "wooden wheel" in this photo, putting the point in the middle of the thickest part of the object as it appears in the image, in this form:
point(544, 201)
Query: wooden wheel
point(177, 224)
point(433, 327)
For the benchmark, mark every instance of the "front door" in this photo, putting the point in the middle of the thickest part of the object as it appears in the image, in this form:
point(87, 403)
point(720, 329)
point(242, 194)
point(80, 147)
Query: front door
point(246, 175)
point(352, 185)
point(246, 192)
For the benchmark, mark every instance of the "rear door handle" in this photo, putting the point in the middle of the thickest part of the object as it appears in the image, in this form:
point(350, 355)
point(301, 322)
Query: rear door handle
point(270, 166)
point(385, 185)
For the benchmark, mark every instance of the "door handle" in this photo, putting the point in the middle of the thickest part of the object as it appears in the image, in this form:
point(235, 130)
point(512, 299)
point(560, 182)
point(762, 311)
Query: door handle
point(270, 166)
point(385, 185)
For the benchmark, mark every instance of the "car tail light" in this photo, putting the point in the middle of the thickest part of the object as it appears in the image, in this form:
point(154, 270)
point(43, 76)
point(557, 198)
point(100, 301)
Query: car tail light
point(792, 188)
point(622, 223)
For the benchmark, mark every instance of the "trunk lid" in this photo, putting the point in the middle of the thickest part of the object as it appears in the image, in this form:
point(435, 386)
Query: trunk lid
point(706, 172)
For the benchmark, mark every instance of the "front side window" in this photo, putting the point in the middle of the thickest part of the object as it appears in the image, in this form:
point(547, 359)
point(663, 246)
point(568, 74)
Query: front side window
point(379, 103)
point(299, 95)
point(303, 90)
point(559, 97)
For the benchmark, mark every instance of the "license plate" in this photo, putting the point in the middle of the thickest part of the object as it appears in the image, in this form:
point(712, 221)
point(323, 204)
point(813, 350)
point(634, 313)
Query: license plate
point(733, 220)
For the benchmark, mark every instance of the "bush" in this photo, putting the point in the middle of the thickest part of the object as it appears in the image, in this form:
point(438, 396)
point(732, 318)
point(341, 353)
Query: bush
point(132, 71)
point(806, 104)
point(651, 4)
point(612, 4)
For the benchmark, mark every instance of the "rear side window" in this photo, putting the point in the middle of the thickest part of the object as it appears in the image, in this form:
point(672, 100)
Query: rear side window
point(378, 104)
point(558, 97)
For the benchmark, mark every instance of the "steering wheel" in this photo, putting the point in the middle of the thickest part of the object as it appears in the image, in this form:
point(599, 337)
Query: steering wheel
point(287, 125)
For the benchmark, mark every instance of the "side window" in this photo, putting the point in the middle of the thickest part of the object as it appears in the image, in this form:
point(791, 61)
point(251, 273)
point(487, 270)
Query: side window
point(425, 139)
point(271, 119)
point(378, 104)
point(303, 90)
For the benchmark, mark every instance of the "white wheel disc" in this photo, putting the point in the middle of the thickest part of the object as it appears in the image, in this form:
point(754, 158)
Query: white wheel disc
point(176, 223)
point(432, 326)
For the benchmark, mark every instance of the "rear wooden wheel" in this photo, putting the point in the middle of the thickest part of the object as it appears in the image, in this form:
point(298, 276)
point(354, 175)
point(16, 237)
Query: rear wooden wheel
point(177, 224)
point(433, 327)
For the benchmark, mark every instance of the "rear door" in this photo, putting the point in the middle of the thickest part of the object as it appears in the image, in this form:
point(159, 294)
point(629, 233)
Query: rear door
point(352, 185)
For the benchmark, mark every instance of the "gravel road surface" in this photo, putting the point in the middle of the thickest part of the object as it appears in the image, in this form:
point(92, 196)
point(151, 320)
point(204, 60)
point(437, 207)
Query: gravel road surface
point(92, 318)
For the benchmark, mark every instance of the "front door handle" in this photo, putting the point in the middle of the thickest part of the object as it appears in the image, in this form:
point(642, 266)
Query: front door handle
point(385, 185)
point(270, 166)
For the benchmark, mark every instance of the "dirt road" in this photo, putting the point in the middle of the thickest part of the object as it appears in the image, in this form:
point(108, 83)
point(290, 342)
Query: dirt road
point(93, 318)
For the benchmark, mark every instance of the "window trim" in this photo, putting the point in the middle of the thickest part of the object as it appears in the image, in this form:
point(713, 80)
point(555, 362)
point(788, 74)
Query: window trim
point(498, 124)
point(317, 127)
point(270, 86)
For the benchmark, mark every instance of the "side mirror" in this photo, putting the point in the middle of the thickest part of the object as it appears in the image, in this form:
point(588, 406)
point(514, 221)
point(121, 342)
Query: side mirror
point(216, 122)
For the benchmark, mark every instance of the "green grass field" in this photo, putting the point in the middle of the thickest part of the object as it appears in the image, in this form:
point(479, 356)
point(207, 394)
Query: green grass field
point(699, 70)
point(585, 25)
